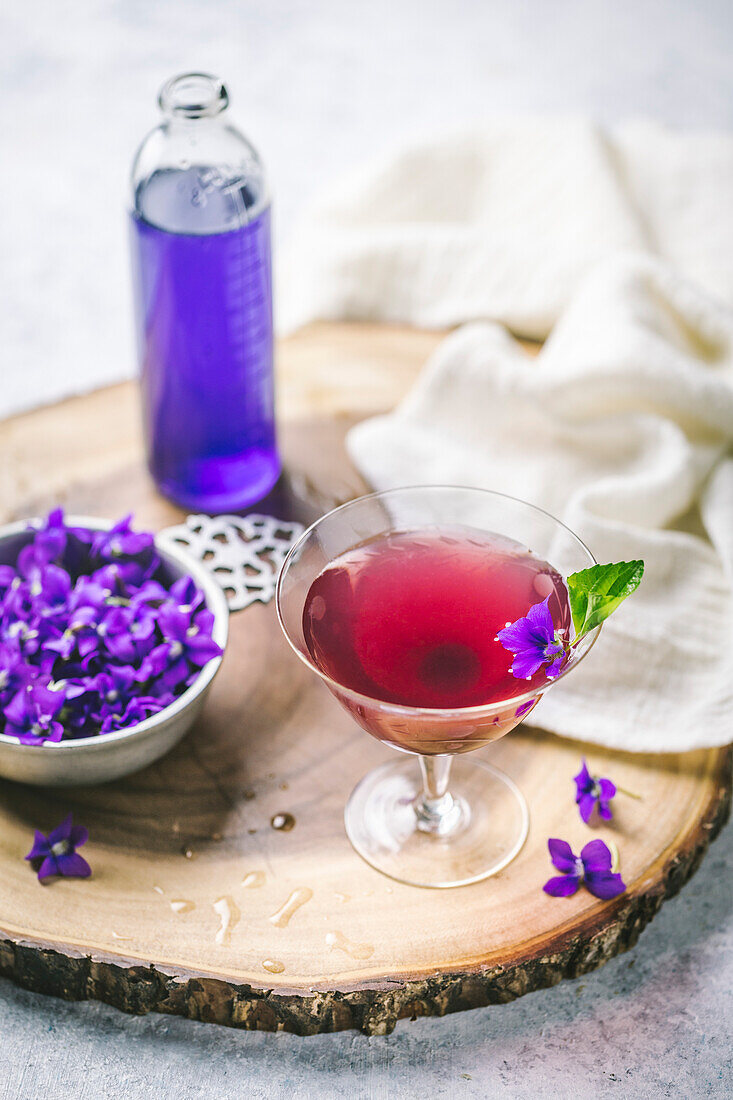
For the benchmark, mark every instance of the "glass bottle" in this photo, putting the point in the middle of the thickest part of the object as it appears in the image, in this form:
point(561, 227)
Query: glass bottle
point(203, 296)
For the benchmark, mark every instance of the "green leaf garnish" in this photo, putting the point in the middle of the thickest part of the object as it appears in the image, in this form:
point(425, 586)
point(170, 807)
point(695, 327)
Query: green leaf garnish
point(595, 593)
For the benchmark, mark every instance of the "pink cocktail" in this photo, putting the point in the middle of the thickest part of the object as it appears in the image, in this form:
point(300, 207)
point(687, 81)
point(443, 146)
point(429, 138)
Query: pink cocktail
point(395, 600)
point(411, 618)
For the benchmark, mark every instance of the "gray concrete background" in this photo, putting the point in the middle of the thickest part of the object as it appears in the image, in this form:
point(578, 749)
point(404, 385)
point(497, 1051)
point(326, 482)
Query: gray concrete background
point(320, 85)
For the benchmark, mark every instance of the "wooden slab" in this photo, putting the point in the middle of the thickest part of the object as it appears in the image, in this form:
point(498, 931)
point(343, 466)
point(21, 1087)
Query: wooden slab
point(197, 904)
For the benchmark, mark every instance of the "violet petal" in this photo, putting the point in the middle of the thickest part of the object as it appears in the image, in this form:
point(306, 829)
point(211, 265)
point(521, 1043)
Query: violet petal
point(604, 884)
point(48, 868)
point(596, 856)
point(583, 780)
point(555, 667)
point(561, 855)
point(562, 886)
point(525, 665)
point(62, 832)
point(72, 865)
point(541, 619)
point(586, 805)
point(40, 847)
point(79, 835)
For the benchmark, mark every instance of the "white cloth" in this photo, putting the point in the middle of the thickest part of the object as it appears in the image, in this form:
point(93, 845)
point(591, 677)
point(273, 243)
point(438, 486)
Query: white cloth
point(504, 224)
point(620, 427)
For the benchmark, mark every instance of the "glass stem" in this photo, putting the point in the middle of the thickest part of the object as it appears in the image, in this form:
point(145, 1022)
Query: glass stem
point(436, 810)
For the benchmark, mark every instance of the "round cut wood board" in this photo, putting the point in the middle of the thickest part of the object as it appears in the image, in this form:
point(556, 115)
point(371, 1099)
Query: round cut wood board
point(197, 905)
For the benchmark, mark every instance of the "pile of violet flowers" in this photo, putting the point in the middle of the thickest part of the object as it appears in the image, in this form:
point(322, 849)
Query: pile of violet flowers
point(91, 638)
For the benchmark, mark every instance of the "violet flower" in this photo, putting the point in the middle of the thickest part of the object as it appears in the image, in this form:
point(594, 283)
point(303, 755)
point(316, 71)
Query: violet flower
point(591, 793)
point(57, 852)
point(50, 540)
point(91, 639)
point(140, 707)
point(593, 595)
point(31, 715)
point(7, 576)
point(119, 578)
point(128, 635)
point(535, 642)
point(186, 596)
point(185, 641)
point(14, 672)
point(45, 579)
point(88, 592)
point(102, 700)
point(78, 641)
point(592, 869)
point(150, 592)
point(120, 541)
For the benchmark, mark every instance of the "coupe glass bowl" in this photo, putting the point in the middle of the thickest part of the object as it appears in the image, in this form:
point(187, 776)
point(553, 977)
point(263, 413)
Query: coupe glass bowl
point(102, 757)
point(453, 819)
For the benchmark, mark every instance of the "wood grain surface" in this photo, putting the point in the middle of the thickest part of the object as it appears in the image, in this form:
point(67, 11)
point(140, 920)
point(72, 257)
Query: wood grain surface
point(197, 905)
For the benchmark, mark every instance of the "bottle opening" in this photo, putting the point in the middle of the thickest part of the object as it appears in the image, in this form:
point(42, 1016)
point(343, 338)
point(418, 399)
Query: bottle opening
point(193, 95)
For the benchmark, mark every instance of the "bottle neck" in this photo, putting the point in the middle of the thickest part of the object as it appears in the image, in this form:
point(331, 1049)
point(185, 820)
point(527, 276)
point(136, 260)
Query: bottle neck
point(195, 172)
point(193, 96)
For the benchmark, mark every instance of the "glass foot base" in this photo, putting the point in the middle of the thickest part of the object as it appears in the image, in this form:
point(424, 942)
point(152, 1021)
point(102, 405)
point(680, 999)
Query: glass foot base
point(487, 827)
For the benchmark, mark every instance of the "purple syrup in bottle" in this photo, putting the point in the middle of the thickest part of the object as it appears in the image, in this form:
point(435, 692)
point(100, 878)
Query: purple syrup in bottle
point(203, 296)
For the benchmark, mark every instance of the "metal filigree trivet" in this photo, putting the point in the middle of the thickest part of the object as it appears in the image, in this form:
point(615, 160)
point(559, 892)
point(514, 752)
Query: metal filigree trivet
point(244, 553)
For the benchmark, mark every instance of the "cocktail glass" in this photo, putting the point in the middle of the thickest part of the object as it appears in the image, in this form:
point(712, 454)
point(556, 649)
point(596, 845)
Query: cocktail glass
point(445, 820)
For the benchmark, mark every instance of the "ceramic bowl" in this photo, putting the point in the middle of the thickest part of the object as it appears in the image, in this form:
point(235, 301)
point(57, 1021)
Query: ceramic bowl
point(102, 757)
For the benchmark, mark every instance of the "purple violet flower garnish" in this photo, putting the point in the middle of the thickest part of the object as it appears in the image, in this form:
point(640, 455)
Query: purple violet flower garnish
point(56, 853)
point(592, 869)
point(535, 642)
point(592, 793)
point(593, 595)
point(94, 635)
